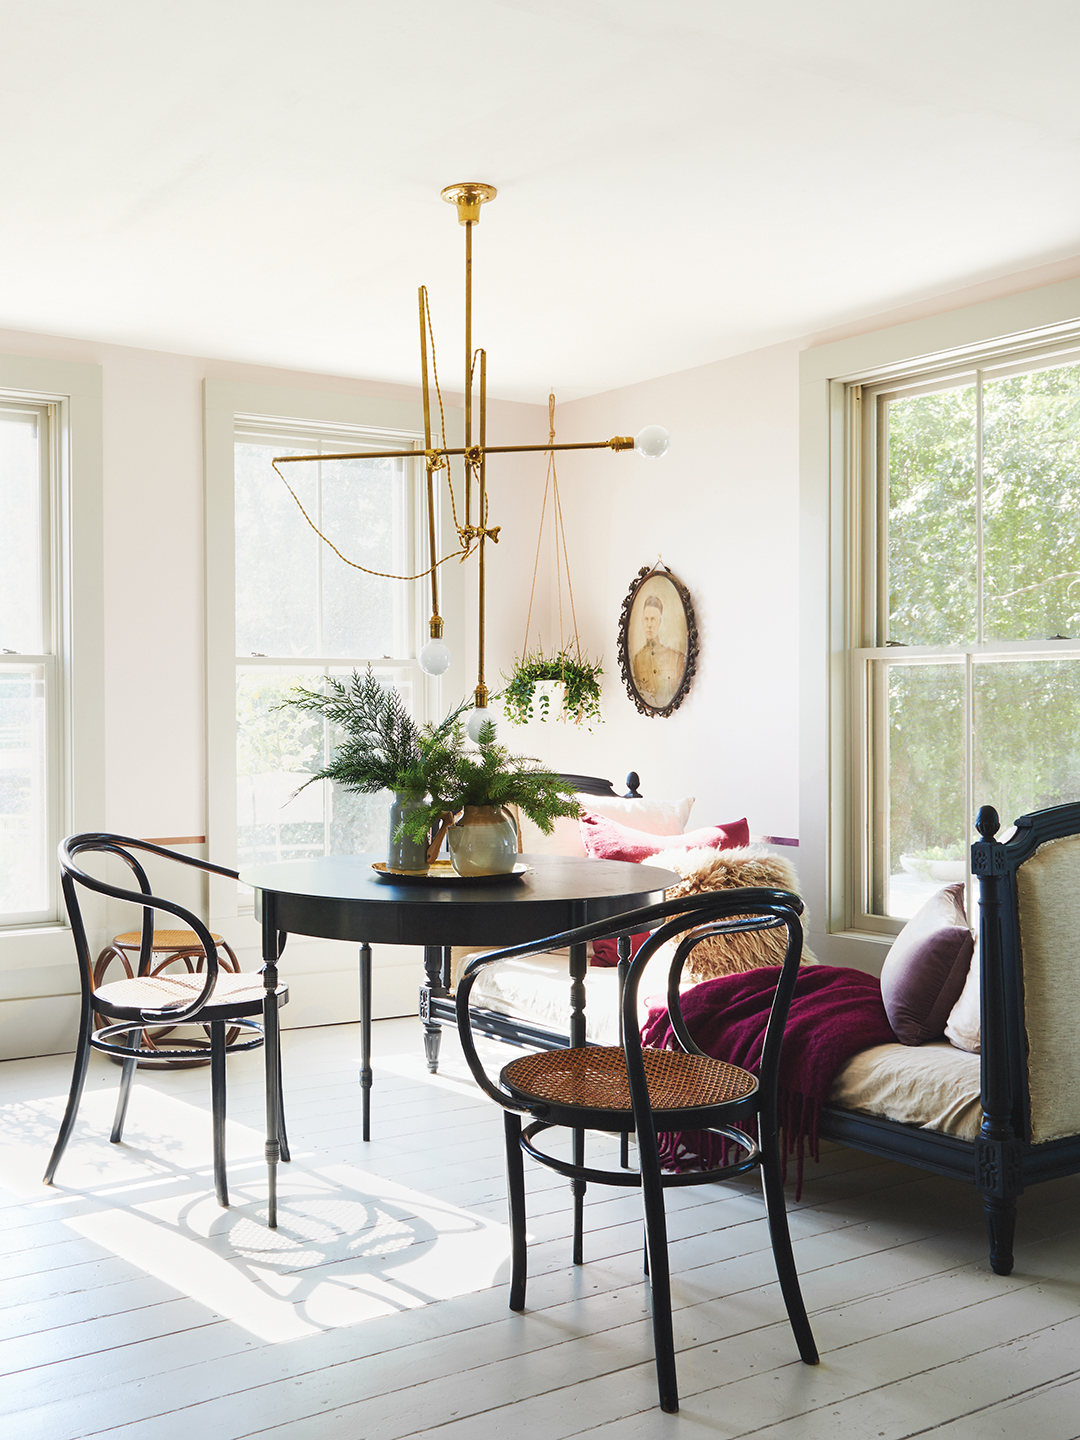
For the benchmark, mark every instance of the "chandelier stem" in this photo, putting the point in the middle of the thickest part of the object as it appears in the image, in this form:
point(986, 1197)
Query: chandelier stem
point(468, 368)
point(483, 518)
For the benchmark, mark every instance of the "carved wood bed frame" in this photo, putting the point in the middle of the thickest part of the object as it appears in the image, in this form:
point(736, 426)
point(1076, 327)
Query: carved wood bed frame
point(1003, 1159)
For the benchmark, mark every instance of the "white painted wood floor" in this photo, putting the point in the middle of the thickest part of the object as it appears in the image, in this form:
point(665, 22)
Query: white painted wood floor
point(131, 1305)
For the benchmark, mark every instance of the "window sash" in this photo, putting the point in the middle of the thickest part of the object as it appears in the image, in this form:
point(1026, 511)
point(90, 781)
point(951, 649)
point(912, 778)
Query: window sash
point(332, 439)
point(33, 835)
point(871, 660)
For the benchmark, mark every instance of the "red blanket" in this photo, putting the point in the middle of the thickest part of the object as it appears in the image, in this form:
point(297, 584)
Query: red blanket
point(835, 1012)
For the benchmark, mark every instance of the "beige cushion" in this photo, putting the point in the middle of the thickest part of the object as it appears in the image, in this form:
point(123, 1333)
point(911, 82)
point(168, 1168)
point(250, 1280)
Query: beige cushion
point(538, 989)
point(934, 1086)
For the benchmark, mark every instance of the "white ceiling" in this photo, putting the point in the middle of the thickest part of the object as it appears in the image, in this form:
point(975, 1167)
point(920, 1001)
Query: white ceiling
point(678, 180)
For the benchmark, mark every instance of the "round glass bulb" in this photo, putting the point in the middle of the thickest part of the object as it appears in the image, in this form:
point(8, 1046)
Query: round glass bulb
point(476, 722)
point(653, 441)
point(434, 657)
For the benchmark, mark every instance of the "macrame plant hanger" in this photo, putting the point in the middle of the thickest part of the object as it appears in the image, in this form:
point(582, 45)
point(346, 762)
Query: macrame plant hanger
point(562, 558)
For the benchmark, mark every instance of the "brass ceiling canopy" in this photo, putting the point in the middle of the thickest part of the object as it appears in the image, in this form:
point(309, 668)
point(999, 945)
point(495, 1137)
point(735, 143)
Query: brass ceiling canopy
point(468, 197)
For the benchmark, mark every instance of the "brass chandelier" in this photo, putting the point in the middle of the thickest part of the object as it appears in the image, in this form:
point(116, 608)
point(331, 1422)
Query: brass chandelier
point(473, 535)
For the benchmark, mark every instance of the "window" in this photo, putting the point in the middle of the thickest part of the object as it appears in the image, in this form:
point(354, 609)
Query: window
point(30, 779)
point(965, 613)
point(302, 613)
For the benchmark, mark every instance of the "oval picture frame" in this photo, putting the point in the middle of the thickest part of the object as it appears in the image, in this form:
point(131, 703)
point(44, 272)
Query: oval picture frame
point(658, 650)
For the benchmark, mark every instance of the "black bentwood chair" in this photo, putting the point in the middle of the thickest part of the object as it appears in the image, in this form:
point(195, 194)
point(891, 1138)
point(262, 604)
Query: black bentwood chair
point(628, 1089)
point(213, 998)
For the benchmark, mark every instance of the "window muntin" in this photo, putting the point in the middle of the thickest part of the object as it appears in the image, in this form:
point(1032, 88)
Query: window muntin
point(970, 687)
point(29, 769)
point(302, 613)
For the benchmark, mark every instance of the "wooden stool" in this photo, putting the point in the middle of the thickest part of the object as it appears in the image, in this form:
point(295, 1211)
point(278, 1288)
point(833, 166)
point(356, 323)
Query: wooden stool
point(172, 946)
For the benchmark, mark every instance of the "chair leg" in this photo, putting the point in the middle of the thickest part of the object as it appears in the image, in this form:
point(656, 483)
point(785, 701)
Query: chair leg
point(652, 1194)
point(217, 1100)
point(515, 1195)
point(773, 1186)
point(283, 1138)
point(78, 1080)
point(577, 1190)
point(127, 1074)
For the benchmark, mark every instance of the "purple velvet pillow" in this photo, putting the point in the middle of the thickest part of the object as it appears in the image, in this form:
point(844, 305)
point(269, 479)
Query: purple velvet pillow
point(925, 970)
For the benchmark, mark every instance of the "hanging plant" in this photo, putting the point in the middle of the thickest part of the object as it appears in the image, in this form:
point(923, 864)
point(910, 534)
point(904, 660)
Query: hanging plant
point(579, 676)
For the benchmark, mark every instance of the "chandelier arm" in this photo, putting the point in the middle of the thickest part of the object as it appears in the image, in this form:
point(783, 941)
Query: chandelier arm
point(617, 442)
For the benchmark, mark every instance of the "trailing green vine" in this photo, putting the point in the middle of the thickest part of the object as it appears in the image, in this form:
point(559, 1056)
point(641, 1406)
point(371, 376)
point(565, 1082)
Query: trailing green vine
point(579, 676)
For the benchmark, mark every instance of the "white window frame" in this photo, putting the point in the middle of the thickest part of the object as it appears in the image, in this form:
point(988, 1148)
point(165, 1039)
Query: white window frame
point(838, 583)
point(228, 404)
point(38, 978)
point(52, 655)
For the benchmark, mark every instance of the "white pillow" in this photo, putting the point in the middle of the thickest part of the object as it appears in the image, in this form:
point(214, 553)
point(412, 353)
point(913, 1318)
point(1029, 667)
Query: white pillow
point(656, 817)
point(963, 1027)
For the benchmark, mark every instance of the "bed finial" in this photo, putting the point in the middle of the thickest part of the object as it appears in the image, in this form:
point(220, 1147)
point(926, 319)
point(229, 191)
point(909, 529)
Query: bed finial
point(633, 780)
point(987, 822)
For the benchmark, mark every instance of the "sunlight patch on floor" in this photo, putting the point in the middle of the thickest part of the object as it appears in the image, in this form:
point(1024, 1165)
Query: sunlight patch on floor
point(350, 1245)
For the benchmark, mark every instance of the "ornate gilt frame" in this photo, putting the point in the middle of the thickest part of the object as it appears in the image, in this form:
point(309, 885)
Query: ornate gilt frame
point(645, 574)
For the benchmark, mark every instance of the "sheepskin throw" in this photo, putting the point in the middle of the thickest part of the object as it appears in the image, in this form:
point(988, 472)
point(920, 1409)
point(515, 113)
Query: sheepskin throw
point(748, 867)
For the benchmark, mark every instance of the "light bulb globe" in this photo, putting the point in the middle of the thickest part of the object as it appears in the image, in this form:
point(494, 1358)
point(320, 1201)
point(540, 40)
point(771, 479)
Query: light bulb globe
point(434, 657)
point(476, 722)
point(653, 441)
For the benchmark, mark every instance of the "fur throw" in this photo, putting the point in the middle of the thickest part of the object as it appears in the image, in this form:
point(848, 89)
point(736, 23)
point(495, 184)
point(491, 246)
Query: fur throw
point(748, 867)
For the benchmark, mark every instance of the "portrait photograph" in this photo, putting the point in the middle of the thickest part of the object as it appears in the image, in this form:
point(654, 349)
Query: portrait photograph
point(657, 641)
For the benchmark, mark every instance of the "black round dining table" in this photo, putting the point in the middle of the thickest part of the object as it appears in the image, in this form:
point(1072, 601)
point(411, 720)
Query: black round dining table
point(344, 897)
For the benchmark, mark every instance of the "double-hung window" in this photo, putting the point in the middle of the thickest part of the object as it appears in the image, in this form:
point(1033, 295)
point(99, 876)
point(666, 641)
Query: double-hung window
point(965, 613)
point(304, 613)
point(30, 778)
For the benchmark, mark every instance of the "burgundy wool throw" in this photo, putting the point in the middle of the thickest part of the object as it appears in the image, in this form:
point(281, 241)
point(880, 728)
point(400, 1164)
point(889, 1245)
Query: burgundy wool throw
point(835, 1012)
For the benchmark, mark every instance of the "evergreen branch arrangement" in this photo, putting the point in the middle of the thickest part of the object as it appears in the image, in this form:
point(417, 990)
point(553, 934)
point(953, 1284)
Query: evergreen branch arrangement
point(580, 678)
point(383, 748)
point(490, 775)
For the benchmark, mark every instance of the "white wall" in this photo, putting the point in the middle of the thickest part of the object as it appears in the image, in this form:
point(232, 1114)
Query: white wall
point(721, 510)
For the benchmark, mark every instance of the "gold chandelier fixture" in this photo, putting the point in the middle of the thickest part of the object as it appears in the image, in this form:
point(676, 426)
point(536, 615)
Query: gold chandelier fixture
point(473, 535)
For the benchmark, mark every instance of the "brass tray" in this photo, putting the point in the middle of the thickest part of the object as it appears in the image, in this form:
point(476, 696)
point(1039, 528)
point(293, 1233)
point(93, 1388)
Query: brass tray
point(442, 872)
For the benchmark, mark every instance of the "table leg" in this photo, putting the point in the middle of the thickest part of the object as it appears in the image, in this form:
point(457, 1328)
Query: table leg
point(433, 985)
point(271, 949)
point(365, 1040)
point(578, 965)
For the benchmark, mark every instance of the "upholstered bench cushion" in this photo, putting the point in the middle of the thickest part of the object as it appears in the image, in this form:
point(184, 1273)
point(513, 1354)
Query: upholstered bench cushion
point(538, 989)
point(934, 1086)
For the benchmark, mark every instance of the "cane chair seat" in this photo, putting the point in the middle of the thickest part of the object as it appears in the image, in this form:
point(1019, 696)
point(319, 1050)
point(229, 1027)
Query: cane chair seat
point(594, 1078)
point(167, 940)
point(234, 995)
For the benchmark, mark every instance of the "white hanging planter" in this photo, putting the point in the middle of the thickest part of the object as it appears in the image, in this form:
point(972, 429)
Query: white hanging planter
point(548, 698)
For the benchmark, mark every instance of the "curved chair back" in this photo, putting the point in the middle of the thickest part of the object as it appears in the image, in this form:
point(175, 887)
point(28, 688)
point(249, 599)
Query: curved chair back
point(696, 918)
point(120, 846)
